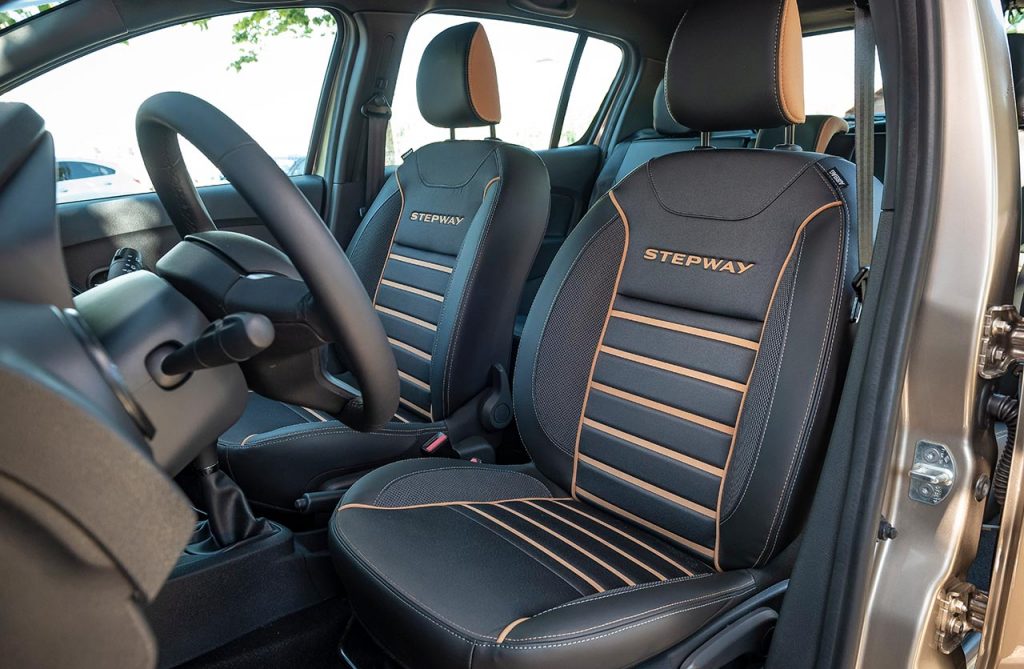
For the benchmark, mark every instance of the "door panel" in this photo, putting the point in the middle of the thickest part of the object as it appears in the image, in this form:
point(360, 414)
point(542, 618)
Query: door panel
point(92, 230)
point(572, 170)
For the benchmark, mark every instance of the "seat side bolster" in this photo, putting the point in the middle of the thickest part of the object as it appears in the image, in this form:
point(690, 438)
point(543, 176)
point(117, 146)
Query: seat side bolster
point(757, 518)
point(485, 288)
point(616, 627)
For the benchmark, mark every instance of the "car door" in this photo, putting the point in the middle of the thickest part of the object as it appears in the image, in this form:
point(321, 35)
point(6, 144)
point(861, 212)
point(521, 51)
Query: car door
point(266, 69)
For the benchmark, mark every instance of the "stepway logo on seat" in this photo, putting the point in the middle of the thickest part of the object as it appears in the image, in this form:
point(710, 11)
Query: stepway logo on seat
point(700, 262)
point(443, 219)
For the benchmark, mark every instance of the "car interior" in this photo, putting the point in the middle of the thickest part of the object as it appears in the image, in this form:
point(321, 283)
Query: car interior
point(620, 397)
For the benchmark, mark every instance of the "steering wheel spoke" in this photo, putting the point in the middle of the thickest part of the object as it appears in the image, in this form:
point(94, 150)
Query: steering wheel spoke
point(310, 292)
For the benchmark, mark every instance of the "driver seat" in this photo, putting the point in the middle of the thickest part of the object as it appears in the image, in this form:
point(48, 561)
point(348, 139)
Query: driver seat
point(675, 386)
point(443, 252)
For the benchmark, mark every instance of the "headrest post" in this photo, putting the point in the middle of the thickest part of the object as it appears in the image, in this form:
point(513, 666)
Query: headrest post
point(451, 134)
point(791, 133)
point(494, 133)
point(705, 140)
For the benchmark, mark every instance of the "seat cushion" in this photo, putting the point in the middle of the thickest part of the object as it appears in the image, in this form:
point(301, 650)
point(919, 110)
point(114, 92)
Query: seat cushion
point(492, 566)
point(277, 451)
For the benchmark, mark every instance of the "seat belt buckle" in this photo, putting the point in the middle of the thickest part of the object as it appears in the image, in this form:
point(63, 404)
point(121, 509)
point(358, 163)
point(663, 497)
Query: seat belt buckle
point(860, 289)
point(438, 446)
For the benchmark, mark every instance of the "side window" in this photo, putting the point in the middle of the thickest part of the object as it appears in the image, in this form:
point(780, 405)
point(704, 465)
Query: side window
point(532, 63)
point(264, 69)
point(599, 64)
point(828, 75)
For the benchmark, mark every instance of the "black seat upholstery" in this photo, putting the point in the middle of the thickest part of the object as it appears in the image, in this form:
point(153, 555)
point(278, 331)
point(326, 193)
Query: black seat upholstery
point(444, 252)
point(674, 386)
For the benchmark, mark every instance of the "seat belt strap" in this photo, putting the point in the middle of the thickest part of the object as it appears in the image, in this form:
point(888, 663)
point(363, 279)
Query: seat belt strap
point(864, 140)
point(377, 111)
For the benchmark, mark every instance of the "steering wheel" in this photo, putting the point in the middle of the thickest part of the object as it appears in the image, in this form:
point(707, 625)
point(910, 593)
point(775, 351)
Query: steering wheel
point(224, 272)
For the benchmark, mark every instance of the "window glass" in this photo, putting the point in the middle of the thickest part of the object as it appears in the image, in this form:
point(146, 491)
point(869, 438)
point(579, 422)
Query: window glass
point(531, 61)
point(264, 69)
point(828, 75)
point(598, 66)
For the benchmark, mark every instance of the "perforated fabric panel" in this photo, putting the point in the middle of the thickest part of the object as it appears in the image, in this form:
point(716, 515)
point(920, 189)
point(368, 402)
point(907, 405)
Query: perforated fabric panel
point(571, 333)
point(368, 249)
point(763, 386)
point(458, 484)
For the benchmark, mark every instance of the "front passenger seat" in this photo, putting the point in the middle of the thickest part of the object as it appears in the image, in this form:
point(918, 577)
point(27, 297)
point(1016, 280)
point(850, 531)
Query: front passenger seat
point(675, 385)
point(443, 252)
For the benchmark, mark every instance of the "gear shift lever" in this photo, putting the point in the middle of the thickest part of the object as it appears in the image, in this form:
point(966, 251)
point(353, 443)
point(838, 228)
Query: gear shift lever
point(228, 514)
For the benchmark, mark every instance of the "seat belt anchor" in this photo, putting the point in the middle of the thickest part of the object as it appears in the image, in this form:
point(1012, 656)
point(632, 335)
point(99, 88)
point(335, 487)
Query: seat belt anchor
point(378, 106)
point(860, 289)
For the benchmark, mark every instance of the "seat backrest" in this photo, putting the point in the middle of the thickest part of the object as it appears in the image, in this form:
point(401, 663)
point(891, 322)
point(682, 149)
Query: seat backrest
point(680, 365)
point(814, 134)
point(445, 248)
point(667, 136)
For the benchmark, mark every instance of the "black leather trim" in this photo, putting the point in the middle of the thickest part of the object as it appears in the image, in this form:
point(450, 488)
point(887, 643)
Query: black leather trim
point(443, 87)
point(722, 69)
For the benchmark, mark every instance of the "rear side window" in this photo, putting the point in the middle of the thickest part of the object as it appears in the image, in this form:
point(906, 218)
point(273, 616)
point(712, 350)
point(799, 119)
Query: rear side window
point(265, 69)
point(533, 64)
point(828, 75)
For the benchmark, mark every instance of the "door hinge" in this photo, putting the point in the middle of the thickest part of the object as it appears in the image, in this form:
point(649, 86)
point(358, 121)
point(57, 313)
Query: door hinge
point(1002, 341)
point(962, 609)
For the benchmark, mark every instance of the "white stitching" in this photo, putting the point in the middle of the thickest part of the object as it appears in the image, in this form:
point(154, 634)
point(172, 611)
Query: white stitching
point(544, 327)
point(774, 392)
point(709, 595)
point(622, 591)
point(457, 330)
point(839, 281)
point(467, 467)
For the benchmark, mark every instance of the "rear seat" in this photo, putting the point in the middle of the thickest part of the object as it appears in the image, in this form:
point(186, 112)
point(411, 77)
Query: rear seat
point(816, 134)
point(664, 138)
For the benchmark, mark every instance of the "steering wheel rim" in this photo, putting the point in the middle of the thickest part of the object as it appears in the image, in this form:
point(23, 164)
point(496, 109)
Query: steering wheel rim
point(312, 248)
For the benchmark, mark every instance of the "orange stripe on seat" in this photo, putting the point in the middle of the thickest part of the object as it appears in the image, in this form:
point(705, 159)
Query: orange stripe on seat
point(420, 263)
point(461, 502)
point(417, 408)
point(683, 541)
point(601, 523)
point(651, 446)
point(412, 289)
point(594, 584)
point(409, 348)
point(631, 558)
point(685, 329)
point(413, 380)
point(625, 579)
point(406, 317)
point(675, 369)
point(649, 487)
point(665, 408)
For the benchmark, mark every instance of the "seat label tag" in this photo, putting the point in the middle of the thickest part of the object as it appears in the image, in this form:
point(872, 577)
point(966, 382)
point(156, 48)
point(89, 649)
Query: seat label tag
point(711, 264)
point(837, 178)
